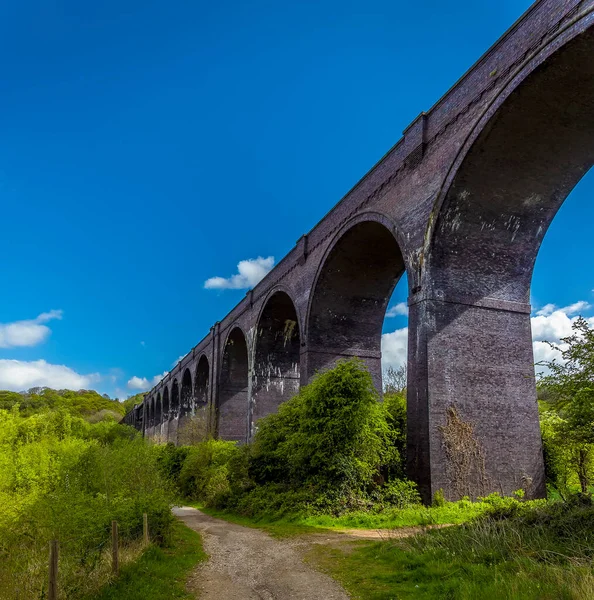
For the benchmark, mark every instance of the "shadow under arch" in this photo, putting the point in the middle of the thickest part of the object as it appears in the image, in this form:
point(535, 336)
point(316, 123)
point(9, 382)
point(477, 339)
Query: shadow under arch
point(201, 381)
point(277, 348)
point(187, 399)
point(525, 155)
point(161, 416)
point(165, 403)
point(166, 408)
point(234, 388)
point(175, 405)
point(351, 292)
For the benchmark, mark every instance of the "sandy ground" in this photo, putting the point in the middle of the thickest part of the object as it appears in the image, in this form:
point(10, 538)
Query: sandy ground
point(247, 564)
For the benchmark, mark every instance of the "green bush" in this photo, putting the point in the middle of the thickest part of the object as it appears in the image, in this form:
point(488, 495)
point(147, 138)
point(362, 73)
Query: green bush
point(401, 493)
point(64, 478)
point(205, 474)
point(332, 434)
point(333, 447)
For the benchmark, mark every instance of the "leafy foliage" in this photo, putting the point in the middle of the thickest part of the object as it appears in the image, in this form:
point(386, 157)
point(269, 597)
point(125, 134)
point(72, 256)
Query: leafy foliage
point(567, 411)
point(330, 448)
point(132, 401)
point(64, 477)
point(82, 402)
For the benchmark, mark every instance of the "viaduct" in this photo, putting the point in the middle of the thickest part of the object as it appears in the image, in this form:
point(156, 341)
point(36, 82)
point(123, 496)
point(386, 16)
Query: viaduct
point(461, 204)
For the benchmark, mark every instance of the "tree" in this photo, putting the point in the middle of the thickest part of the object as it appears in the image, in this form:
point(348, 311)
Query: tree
point(569, 392)
point(395, 380)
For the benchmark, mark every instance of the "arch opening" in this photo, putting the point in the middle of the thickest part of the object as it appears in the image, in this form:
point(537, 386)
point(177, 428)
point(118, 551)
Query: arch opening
point(233, 397)
point(166, 414)
point(277, 357)
point(158, 410)
point(395, 339)
point(187, 400)
point(350, 298)
point(527, 155)
point(524, 163)
point(174, 399)
point(201, 379)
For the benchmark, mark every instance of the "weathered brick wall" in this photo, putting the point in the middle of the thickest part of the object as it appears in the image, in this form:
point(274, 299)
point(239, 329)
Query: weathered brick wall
point(468, 268)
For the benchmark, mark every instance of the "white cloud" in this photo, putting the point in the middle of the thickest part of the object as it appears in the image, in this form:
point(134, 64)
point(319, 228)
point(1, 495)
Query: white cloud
point(158, 378)
point(138, 383)
point(398, 310)
point(250, 272)
point(550, 324)
point(175, 362)
point(18, 375)
point(27, 333)
point(143, 384)
point(394, 348)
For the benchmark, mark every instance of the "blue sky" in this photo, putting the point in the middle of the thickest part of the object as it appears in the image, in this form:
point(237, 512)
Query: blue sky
point(150, 146)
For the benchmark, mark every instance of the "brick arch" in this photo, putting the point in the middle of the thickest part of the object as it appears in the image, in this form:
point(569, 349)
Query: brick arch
point(174, 399)
point(531, 146)
point(277, 347)
point(350, 294)
point(234, 387)
point(202, 380)
point(165, 404)
point(187, 396)
point(152, 421)
point(159, 416)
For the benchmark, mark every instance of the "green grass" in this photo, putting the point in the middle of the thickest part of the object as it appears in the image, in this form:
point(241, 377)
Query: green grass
point(278, 528)
point(451, 513)
point(544, 554)
point(160, 573)
point(522, 551)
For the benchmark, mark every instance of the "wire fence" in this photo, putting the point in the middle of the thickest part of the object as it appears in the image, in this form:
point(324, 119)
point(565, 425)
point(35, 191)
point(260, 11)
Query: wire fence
point(55, 547)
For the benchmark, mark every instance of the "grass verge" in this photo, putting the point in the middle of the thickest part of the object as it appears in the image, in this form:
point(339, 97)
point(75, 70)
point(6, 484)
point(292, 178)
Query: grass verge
point(277, 528)
point(544, 554)
point(160, 573)
point(450, 513)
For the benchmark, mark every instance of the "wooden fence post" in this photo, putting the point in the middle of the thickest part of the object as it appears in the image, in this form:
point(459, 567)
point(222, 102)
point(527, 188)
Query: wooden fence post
point(53, 571)
point(115, 560)
point(145, 533)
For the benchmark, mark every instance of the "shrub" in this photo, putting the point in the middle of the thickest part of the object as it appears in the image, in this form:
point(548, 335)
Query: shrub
point(329, 449)
point(64, 478)
point(205, 474)
point(332, 434)
point(401, 493)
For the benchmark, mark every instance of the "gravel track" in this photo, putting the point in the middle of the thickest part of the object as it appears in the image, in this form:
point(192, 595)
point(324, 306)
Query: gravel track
point(248, 564)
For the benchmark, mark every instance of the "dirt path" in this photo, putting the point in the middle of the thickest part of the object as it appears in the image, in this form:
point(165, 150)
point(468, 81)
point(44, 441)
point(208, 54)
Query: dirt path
point(247, 564)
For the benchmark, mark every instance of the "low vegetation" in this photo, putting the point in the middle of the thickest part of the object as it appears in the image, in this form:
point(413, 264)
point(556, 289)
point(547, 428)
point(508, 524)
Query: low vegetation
point(332, 457)
point(66, 476)
point(330, 449)
point(514, 552)
point(161, 572)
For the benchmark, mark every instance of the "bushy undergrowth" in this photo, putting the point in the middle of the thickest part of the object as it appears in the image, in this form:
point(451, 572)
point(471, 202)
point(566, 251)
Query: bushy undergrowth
point(514, 551)
point(64, 478)
point(331, 448)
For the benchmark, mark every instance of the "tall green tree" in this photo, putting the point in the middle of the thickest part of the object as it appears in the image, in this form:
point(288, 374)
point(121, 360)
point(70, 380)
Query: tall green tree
point(568, 392)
